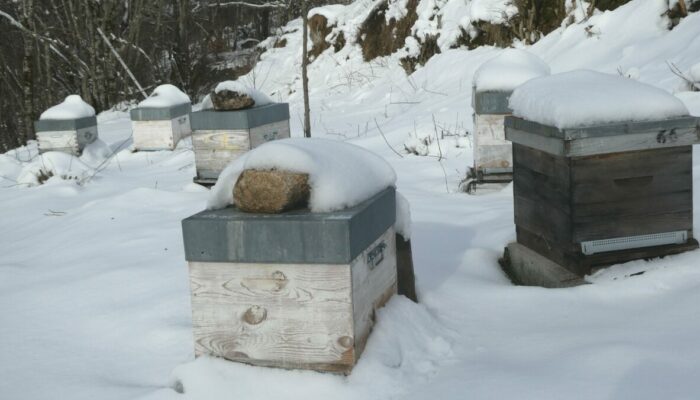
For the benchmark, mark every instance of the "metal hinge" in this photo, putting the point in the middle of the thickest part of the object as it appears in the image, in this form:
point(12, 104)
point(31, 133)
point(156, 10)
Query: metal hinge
point(376, 255)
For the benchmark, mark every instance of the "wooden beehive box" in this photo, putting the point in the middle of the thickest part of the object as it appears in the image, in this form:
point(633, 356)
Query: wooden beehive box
point(600, 195)
point(221, 136)
point(66, 135)
point(160, 128)
point(492, 152)
point(291, 290)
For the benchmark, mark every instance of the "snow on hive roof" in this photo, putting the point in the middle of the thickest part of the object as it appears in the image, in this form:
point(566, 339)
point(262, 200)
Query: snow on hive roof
point(73, 107)
point(165, 96)
point(341, 175)
point(259, 97)
point(586, 98)
point(508, 70)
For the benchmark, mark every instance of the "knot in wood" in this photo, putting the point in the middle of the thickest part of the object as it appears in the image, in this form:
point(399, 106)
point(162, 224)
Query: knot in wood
point(255, 315)
point(280, 280)
point(345, 341)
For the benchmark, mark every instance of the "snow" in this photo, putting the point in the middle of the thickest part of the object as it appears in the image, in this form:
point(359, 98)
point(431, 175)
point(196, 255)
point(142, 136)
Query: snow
point(165, 96)
point(259, 97)
point(94, 289)
point(587, 98)
point(691, 101)
point(403, 216)
point(73, 107)
point(53, 165)
point(331, 12)
point(493, 11)
point(694, 73)
point(396, 10)
point(341, 175)
point(508, 70)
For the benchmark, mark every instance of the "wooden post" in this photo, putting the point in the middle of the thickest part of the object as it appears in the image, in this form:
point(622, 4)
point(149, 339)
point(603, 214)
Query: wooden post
point(405, 278)
point(304, 67)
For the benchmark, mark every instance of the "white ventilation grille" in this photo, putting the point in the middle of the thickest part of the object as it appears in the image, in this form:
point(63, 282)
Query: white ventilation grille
point(633, 242)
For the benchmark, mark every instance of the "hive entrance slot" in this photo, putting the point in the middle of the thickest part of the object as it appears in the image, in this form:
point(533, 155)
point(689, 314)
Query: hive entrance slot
point(633, 242)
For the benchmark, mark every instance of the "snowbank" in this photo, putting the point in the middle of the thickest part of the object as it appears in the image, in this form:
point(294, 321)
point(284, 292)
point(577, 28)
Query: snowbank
point(259, 97)
point(584, 98)
point(493, 11)
point(165, 96)
point(508, 70)
point(694, 73)
point(53, 164)
point(341, 175)
point(73, 107)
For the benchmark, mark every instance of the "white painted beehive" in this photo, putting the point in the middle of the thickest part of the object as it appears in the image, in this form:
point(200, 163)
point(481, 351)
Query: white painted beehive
point(494, 82)
point(65, 135)
point(160, 128)
point(492, 152)
point(219, 137)
point(292, 290)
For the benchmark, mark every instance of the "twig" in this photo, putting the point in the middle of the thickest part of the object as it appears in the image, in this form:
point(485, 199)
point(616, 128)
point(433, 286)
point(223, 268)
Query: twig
point(438, 139)
point(444, 173)
point(121, 61)
point(676, 71)
point(386, 141)
point(104, 163)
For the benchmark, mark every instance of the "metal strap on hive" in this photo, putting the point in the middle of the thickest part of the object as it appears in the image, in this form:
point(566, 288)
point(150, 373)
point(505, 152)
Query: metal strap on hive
point(633, 242)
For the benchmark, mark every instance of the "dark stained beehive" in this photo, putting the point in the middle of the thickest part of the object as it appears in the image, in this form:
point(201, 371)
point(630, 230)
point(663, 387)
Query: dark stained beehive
point(596, 196)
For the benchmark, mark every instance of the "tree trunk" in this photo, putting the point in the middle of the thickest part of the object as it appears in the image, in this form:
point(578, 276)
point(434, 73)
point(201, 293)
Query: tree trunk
point(28, 111)
point(304, 67)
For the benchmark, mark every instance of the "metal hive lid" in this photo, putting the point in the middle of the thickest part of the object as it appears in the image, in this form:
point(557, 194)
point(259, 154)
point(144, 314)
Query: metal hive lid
point(604, 138)
point(295, 237)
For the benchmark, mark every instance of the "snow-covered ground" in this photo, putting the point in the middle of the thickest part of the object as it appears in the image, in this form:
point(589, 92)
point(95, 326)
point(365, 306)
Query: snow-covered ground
point(94, 289)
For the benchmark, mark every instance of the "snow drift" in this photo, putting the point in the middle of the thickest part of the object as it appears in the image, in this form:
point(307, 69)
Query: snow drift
point(508, 70)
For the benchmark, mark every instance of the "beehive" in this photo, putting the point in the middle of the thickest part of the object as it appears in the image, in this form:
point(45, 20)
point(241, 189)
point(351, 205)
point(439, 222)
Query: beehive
point(599, 195)
point(493, 161)
point(221, 136)
point(66, 135)
point(291, 290)
point(160, 128)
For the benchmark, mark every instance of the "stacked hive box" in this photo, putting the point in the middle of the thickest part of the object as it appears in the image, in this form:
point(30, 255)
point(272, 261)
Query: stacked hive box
point(494, 82)
point(291, 290)
point(221, 136)
point(492, 153)
point(600, 194)
point(160, 128)
point(66, 135)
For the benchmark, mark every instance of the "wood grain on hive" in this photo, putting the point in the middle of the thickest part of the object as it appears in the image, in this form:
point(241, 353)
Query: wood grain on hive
point(160, 128)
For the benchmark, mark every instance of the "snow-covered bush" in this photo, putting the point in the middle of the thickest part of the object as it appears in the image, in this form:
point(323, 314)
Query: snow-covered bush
point(55, 165)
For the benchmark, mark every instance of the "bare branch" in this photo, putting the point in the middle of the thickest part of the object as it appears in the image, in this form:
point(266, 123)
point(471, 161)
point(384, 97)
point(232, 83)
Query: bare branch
point(386, 141)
